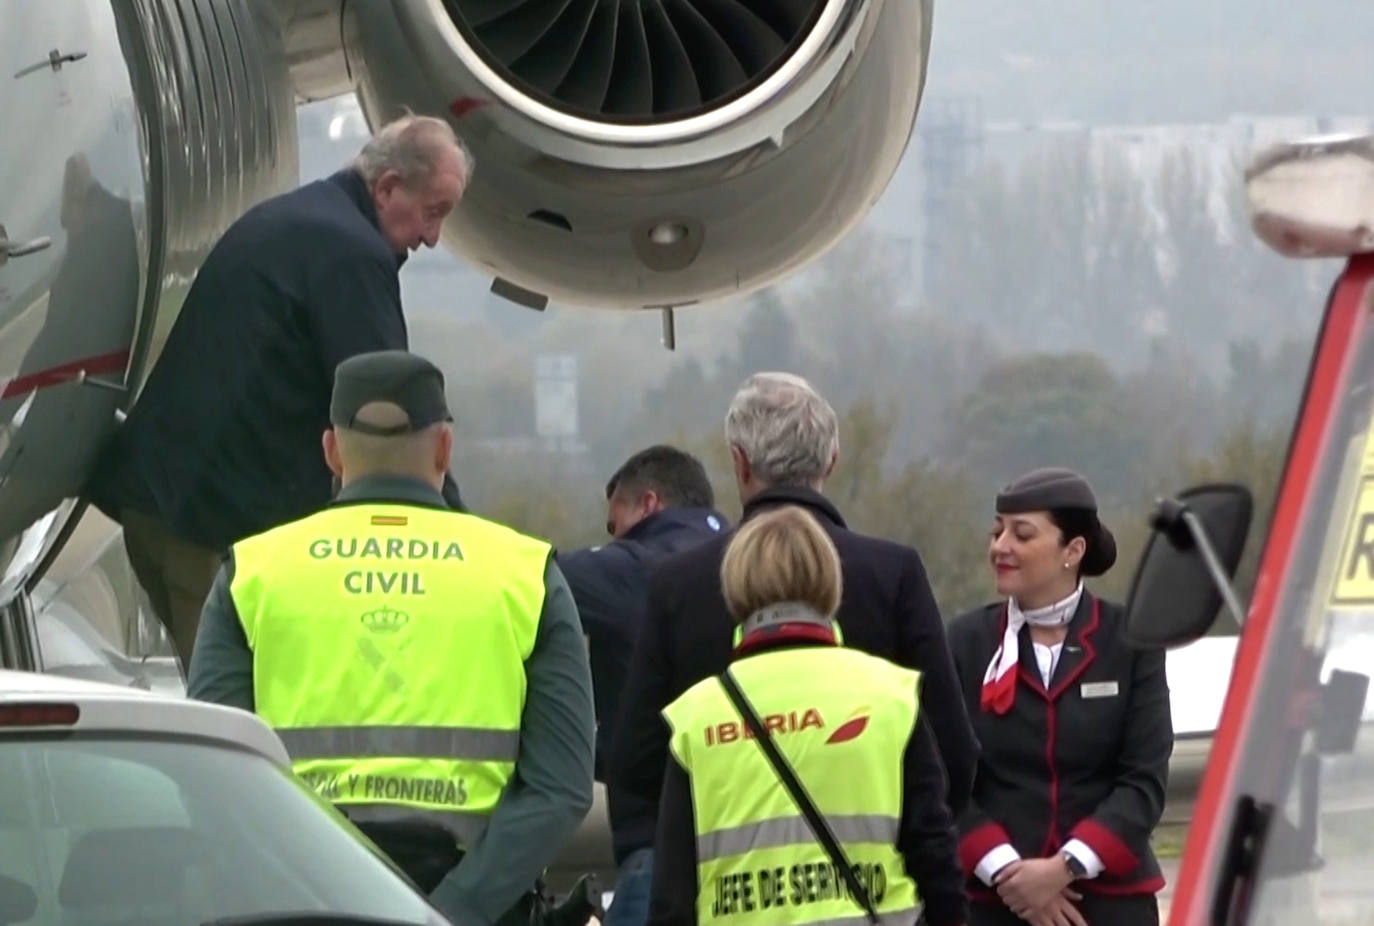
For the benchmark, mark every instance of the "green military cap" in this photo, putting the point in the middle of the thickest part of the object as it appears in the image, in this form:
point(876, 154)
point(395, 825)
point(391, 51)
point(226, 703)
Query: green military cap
point(398, 378)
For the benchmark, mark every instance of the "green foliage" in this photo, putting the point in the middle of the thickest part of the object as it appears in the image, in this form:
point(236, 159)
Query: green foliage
point(1048, 409)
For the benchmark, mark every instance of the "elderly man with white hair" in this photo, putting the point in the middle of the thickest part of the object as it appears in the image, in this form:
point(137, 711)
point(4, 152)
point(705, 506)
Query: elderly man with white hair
point(224, 440)
point(784, 442)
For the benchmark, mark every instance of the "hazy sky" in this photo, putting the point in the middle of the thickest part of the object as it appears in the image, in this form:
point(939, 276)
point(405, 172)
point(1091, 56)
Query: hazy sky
point(1160, 60)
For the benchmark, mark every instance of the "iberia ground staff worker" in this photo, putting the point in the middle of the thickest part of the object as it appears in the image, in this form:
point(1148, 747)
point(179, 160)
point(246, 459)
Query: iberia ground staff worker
point(424, 667)
point(732, 846)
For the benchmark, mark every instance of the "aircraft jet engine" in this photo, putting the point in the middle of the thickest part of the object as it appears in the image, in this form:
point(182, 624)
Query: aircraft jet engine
point(630, 154)
point(645, 154)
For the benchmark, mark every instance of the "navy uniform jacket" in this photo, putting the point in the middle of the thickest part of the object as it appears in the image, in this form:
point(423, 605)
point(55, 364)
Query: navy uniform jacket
point(887, 609)
point(610, 583)
point(1088, 759)
point(224, 440)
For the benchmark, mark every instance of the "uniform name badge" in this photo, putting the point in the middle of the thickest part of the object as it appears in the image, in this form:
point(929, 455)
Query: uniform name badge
point(1099, 690)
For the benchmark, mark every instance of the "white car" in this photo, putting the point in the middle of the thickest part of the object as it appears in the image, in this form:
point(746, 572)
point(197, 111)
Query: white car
point(120, 806)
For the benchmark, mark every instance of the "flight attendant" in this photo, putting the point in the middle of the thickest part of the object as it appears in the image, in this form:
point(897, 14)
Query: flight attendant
point(732, 845)
point(1075, 724)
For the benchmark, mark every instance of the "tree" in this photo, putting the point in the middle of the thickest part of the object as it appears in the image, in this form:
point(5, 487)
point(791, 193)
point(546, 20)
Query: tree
point(679, 403)
point(921, 504)
point(866, 430)
point(1172, 404)
point(768, 340)
point(1043, 410)
point(938, 512)
point(1265, 386)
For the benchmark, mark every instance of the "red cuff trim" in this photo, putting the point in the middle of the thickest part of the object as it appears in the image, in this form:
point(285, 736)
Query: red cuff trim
point(1117, 857)
point(978, 842)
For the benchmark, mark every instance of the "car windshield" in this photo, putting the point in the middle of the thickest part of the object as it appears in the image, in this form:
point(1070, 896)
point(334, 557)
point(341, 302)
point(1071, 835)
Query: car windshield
point(1310, 762)
point(115, 830)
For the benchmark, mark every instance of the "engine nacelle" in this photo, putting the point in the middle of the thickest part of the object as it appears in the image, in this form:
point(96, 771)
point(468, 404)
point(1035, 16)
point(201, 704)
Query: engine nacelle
point(656, 152)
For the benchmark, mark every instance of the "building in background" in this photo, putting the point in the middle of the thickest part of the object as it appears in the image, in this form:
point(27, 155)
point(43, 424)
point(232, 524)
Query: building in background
point(555, 403)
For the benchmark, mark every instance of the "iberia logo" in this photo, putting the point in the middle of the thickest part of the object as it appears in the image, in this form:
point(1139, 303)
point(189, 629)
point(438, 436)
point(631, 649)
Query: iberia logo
point(776, 724)
point(851, 728)
point(791, 722)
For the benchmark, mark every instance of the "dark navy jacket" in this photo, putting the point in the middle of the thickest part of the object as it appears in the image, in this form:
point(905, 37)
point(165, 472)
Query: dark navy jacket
point(1086, 759)
point(610, 583)
point(224, 441)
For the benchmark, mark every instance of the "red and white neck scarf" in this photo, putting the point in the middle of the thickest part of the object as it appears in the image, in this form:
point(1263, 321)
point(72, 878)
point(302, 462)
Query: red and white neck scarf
point(999, 681)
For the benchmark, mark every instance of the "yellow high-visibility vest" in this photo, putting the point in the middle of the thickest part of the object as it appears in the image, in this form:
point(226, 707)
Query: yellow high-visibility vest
point(842, 719)
point(389, 643)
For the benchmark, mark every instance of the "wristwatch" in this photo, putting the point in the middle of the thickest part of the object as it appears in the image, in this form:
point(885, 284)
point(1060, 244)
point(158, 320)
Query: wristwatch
point(1074, 866)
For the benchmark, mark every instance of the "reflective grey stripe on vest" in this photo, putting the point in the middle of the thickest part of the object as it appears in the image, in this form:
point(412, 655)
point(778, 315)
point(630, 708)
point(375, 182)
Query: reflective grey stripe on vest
point(472, 743)
point(467, 827)
point(793, 831)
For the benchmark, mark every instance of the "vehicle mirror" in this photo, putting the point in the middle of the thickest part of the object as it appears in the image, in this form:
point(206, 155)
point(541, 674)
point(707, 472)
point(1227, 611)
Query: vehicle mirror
point(1184, 573)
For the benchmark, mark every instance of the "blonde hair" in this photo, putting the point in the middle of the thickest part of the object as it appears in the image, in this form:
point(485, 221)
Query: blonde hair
point(779, 556)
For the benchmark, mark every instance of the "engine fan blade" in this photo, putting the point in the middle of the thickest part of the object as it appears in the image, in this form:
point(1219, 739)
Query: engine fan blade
point(718, 70)
point(587, 83)
point(632, 81)
point(547, 63)
point(675, 82)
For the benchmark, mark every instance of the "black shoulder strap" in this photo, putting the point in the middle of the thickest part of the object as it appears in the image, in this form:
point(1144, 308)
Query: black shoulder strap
point(794, 787)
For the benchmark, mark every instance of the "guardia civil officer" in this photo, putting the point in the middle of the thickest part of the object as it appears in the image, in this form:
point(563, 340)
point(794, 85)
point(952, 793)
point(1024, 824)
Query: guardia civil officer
point(1075, 724)
point(424, 667)
point(732, 844)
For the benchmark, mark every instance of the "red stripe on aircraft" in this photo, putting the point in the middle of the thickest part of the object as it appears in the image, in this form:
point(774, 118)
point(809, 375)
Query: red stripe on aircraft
point(65, 373)
point(466, 104)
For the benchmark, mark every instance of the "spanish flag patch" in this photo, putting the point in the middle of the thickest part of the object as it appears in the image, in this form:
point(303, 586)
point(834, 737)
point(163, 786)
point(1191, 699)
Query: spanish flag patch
point(389, 520)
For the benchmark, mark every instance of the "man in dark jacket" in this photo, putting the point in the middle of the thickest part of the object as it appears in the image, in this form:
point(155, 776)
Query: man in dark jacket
point(659, 502)
point(224, 440)
point(784, 442)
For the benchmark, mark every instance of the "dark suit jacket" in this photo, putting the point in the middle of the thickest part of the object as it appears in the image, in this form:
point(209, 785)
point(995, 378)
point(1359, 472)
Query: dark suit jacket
point(609, 584)
point(224, 440)
point(1079, 761)
point(887, 610)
